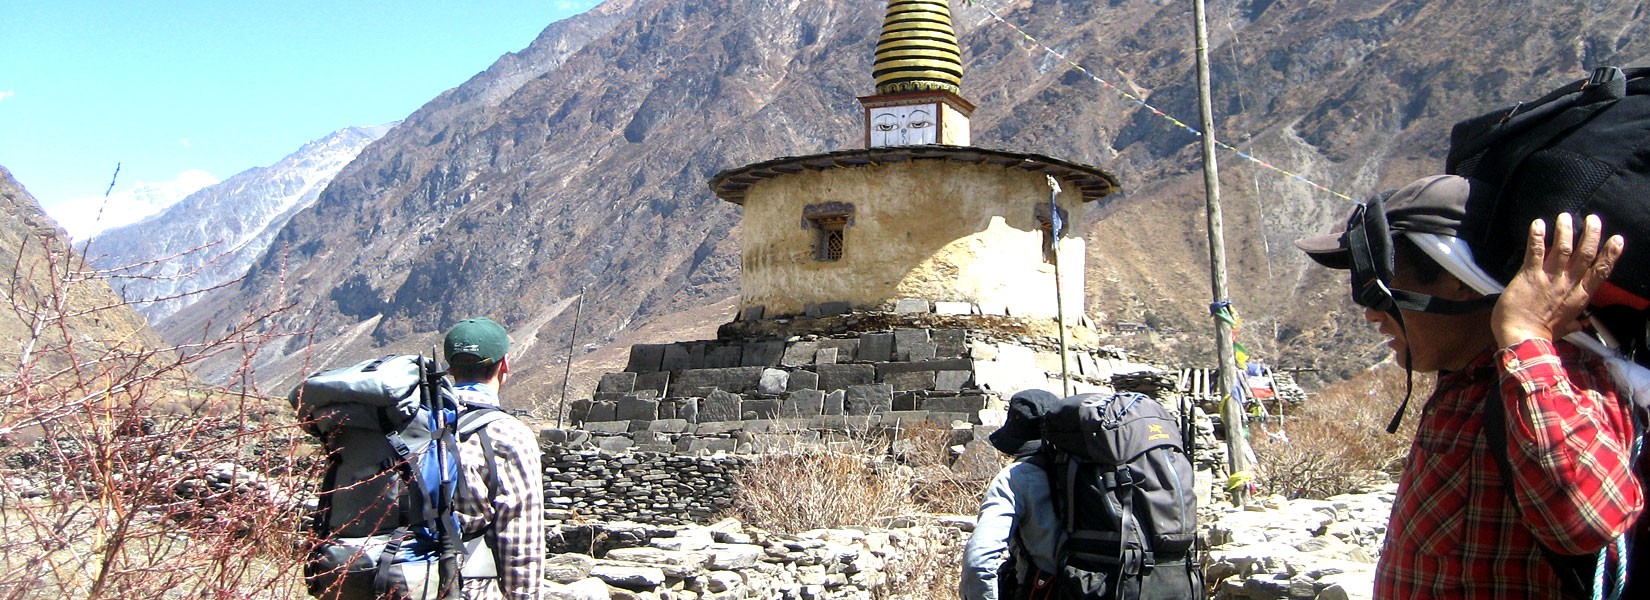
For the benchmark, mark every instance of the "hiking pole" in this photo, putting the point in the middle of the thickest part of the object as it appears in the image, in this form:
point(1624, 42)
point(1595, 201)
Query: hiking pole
point(1237, 450)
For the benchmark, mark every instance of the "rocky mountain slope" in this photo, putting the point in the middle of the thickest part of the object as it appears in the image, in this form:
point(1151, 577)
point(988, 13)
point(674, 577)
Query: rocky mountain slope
point(580, 163)
point(214, 235)
point(51, 311)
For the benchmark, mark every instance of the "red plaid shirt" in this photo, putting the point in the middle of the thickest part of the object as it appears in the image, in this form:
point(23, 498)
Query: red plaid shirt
point(1455, 534)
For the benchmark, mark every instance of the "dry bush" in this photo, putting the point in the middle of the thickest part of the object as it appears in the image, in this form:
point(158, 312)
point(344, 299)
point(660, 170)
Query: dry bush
point(1337, 443)
point(121, 477)
point(937, 487)
point(844, 481)
point(928, 564)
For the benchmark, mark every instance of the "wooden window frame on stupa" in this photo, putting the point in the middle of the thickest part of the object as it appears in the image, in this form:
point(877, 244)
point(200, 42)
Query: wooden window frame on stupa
point(830, 222)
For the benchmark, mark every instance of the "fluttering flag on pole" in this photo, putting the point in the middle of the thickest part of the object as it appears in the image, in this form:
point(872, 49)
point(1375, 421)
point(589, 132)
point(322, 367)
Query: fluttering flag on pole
point(1056, 224)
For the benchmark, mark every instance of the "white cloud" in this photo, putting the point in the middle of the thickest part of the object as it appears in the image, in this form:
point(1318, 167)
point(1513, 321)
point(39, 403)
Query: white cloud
point(4, 94)
point(88, 216)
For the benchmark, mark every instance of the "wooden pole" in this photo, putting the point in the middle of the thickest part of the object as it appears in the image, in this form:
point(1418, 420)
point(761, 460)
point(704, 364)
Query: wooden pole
point(1237, 447)
point(1059, 302)
point(567, 374)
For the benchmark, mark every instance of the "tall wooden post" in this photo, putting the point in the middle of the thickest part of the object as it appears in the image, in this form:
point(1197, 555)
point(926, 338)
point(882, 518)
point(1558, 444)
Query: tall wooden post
point(1237, 447)
point(567, 374)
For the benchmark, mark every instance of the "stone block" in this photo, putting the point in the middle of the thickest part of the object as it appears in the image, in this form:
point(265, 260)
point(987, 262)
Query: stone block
point(603, 411)
point(719, 406)
point(773, 382)
point(756, 425)
point(762, 354)
point(905, 401)
point(696, 355)
point(758, 409)
point(951, 343)
point(837, 377)
point(607, 427)
point(904, 339)
point(722, 357)
point(834, 401)
point(906, 306)
point(861, 400)
point(667, 409)
point(687, 409)
point(676, 358)
point(632, 408)
point(909, 381)
point(970, 403)
point(645, 358)
point(622, 383)
point(718, 427)
point(657, 382)
point(845, 347)
point(614, 442)
point(826, 356)
point(810, 310)
point(699, 382)
point(875, 347)
point(669, 426)
point(799, 354)
point(802, 403)
point(752, 313)
point(692, 445)
point(607, 396)
point(578, 410)
point(884, 370)
point(802, 380)
point(639, 425)
point(920, 351)
point(951, 381)
point(828, 309)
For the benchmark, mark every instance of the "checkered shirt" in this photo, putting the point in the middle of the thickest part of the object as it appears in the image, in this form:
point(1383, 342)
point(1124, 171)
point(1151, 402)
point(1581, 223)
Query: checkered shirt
point(517, 510)
point(1454, 533)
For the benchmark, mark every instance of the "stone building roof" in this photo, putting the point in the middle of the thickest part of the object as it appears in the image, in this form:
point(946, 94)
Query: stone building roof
point(1094, 183)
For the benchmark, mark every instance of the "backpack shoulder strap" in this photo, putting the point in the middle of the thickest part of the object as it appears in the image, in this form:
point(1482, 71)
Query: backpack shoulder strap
point(1574, 571)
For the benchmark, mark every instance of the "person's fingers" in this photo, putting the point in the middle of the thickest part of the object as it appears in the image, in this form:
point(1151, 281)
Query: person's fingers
point(1586, 250)
point(1535, 248)
point(1561, 243)
point(1599, 271)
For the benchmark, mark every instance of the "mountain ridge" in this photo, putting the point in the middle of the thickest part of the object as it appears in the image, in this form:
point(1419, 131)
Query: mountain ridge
point(590, 175)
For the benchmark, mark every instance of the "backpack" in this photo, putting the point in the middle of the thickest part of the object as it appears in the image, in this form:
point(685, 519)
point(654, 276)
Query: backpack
point(1583, 148)
point(384, 527)
point(1122, 485)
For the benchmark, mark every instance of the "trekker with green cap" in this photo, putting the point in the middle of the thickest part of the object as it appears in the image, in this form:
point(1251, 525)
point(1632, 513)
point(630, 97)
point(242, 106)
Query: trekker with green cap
point(500, 504)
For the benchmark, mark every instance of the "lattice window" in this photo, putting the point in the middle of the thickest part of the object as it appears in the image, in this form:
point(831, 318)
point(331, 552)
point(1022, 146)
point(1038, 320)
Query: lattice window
point(828, 244)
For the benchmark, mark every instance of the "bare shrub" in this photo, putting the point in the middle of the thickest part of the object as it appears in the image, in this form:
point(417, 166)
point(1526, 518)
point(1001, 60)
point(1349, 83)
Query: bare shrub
point(844, 481)
point(122, 477)
point(1337, 443)
point(938, 487)
point(928, 564)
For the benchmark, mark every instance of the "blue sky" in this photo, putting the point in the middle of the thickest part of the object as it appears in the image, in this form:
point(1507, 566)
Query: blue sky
point(188, 91)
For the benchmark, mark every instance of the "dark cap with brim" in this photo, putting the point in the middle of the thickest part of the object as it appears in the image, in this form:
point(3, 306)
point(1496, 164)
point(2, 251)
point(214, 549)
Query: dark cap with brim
point(1022, 432)
point(1438, 204)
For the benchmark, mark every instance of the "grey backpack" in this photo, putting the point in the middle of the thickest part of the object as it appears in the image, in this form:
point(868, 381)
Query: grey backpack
point(385, 526)
point(1122, 485)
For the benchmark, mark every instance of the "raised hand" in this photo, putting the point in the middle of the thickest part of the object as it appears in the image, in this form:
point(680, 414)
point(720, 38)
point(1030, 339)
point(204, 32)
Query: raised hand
point(1547, 297)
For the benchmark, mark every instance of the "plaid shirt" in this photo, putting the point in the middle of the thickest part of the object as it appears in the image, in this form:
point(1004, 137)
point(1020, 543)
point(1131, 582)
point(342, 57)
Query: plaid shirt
point(1455, 534)
point(516, 512)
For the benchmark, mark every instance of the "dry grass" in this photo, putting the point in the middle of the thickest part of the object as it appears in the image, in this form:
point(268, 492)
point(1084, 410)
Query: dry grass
point(1338, 442)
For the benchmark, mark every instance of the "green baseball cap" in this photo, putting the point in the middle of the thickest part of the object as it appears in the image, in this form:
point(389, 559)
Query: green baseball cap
point(478, 341)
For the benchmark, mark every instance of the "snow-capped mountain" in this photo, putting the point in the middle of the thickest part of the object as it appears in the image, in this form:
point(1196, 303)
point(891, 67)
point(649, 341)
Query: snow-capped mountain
point(212, 236)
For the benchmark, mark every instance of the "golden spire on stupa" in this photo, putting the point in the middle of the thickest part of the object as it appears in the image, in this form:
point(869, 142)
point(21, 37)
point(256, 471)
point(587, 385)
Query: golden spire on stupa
point(918, 49)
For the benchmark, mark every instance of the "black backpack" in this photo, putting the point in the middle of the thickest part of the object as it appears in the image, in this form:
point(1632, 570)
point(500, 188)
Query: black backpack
point(385, 526)
point(1583, 148)
point(1122, 485)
